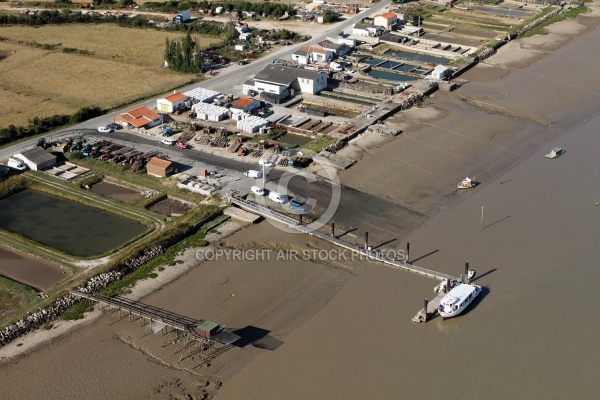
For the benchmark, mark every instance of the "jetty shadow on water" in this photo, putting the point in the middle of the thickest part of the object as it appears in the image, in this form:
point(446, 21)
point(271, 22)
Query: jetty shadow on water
point(484, 274)
point(347, 232)
point(248, 335)
point(384, 243)
point(422, 257)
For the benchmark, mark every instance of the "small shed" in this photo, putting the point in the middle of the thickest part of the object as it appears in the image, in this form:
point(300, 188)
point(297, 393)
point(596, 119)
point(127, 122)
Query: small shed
point(159, 167)
point(245, 105)
point(441, 72)
point(37, 159)
point(207, 329)
point(173, 102)
point(240, 47)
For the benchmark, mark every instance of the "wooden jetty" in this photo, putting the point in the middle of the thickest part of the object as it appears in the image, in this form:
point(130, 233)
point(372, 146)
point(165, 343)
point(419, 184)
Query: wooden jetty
point(372, 255)
point(162, 320)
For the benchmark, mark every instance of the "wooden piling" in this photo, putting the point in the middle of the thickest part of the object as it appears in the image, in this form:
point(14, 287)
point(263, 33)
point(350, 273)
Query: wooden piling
point(366, 241)
point(426, 303)
point(300, 218)
point(467, 272)
point(408, 253)
point(332, 229)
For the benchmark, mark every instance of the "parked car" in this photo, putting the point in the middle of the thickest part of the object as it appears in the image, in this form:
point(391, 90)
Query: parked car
point(169, 142)
point(16, 165)
point(277, 197)
point(105, 129)
point(253, 174)
point(297, 206)
point(181, 144)
point(266, 163)
point(113, 126)
point(257, 190)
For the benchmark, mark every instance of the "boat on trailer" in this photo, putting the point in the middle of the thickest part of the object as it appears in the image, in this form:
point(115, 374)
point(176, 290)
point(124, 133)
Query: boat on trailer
point(467, 183)
point(557, 151)
point(458, 299)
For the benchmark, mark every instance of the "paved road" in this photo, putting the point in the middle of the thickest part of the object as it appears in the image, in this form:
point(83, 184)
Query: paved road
point(383, 219)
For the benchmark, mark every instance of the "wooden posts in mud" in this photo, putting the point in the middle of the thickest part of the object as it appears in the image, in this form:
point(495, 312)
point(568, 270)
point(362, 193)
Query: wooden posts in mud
point(300, 218)
point(408, 253)
point(467, 272)
point(426, 303)
point(366, 241)
point(332, 229)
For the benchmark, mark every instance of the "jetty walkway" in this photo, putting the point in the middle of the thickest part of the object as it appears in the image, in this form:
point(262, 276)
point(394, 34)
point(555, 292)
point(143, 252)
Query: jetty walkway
point(161, 319)
point(372, 255)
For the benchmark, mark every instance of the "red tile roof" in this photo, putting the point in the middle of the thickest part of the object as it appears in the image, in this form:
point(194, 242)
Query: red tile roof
point(159, 162)
point(388, 15)
point(243, 102)
point(313, 49)
point(139, 117)
point(175, 97)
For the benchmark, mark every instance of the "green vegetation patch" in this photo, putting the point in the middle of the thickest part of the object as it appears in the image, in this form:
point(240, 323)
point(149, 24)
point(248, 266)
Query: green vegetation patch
point(572, 13)
point(317, 145)
point(14, 295)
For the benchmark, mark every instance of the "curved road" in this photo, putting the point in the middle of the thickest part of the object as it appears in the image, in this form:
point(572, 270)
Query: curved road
point(384, 220)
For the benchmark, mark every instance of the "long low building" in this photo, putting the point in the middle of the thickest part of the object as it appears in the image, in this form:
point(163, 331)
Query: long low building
point(278, 80)
point(37, 159)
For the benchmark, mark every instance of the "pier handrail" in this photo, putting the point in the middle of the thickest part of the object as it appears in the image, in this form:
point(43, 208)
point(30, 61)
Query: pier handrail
point(294, 224)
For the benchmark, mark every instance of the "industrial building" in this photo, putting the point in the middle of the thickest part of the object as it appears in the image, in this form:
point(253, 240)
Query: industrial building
point(37, 159)
point(159, 167)
point(173, 102)
point(279, 81)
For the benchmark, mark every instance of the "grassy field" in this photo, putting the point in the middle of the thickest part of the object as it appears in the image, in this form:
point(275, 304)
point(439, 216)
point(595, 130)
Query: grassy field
point(37, 83)
point(14, 295)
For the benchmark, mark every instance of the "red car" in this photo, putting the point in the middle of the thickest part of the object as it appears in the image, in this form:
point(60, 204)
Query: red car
point(181, 144)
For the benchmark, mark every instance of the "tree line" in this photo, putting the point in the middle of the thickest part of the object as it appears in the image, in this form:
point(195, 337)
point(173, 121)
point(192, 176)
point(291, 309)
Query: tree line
point(38, 126)
point(267, 8)
point(183, 55)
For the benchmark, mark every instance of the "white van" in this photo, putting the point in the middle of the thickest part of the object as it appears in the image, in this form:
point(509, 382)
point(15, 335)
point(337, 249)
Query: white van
point(277, 197)
point(253, 174)
point(16, 164)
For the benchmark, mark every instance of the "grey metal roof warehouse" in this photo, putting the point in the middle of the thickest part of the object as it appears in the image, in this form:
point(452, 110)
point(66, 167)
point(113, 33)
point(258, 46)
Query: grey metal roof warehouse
point(38, 156)
point(281, 75)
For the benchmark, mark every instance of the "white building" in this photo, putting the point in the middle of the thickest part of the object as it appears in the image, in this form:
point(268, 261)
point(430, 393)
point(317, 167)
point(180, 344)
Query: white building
point(37, 159)
point(245, 105)
point(173, 102)
point(441, 72)
point(311, 54)
point(245, 36)
point(367, 30)
point(278, 80)
point(339, 49)
point(387, 20)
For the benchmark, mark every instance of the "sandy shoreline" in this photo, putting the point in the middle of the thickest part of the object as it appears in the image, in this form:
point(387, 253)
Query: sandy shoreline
point(441, 124)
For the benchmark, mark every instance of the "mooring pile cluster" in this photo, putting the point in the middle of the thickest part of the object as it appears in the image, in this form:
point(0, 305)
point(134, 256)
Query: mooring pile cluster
point(58, 306)
point(136, 262)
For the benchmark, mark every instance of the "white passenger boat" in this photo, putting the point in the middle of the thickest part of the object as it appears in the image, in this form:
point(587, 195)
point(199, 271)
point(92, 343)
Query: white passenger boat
point(457, 300)
point(467, 183)
point(557, 151)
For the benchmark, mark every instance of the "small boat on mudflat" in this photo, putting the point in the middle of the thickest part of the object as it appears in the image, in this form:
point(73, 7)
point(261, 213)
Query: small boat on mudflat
point(557, 151)
point(467, 183)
